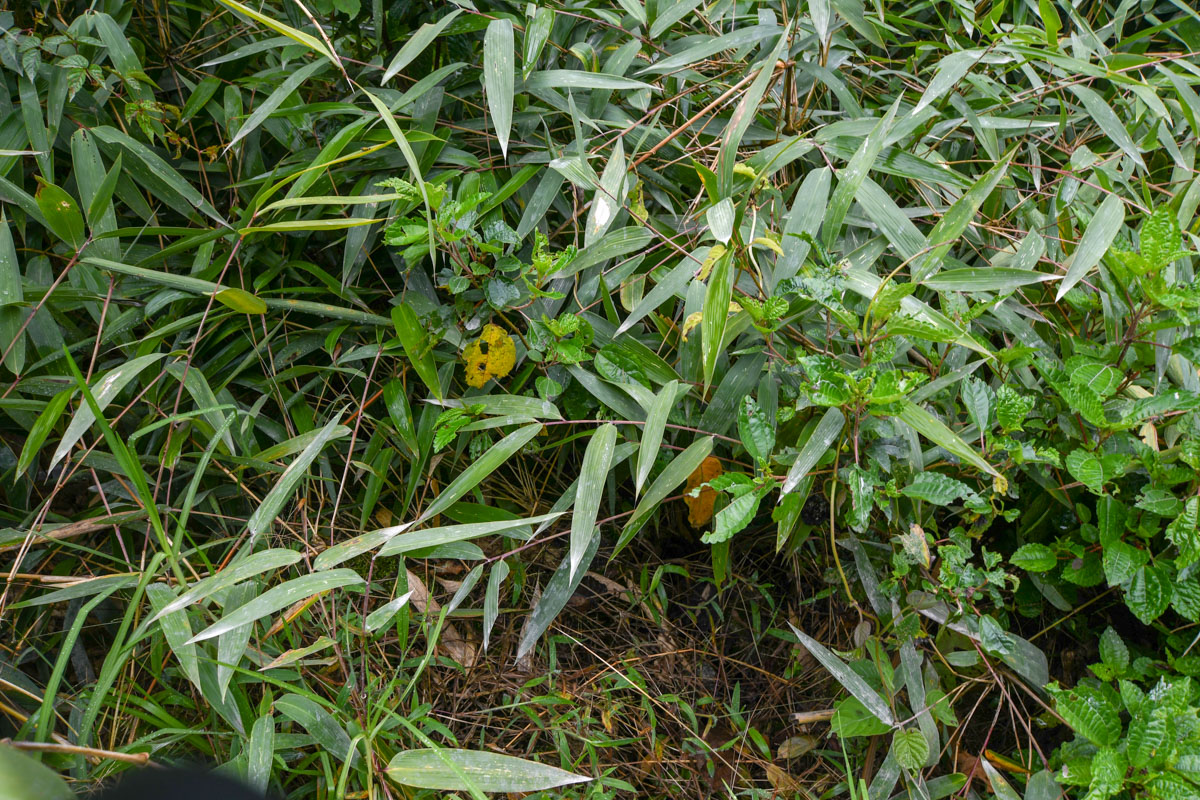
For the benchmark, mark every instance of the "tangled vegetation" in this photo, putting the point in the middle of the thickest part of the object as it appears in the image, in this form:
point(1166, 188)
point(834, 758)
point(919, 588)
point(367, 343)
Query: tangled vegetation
point(652, 397)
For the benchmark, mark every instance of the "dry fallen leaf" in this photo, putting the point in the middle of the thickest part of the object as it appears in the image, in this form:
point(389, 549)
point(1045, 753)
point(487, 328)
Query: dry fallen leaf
point(781, 781)
point(796, 746)
point(700, 508)
point(451, 643)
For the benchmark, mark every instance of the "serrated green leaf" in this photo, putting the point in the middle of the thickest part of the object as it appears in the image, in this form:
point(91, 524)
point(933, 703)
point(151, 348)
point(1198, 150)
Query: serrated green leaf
point(1148, 594)
point(934, 487)
point(755, 430)
point(910, 749)
point(1034, 557)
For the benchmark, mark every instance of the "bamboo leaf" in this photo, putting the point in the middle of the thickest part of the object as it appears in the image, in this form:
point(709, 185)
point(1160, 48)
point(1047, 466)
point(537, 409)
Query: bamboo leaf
point(281, 493)
point(656, 420)
point(105, 388)
point(12, 315)
point(597, 459)
point(850, 178)
point(498, 72)
point(826, 432)
point(1094, 243)
point(715, 316)
point(848, 678)
point(475, 770)
point(300, 37)
point(491, 600)
point(672, 476)
point(936, 431)
point(280, 597)
point(416, 44)
point(275, 99)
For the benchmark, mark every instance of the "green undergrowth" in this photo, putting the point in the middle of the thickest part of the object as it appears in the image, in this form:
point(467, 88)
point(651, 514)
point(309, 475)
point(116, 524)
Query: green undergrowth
point(598, 399)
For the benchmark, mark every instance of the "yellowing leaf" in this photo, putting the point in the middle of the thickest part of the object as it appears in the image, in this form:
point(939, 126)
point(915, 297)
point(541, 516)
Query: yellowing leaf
point(241, 300)
point(492, 355)
point(744, 169)
point(714, 254)
point(769, 243)
point(692, 321)
point(700, 508)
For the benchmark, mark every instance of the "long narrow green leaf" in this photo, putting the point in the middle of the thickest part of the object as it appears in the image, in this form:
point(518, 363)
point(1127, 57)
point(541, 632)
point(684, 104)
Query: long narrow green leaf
point(11, 314)
point(672, 476)
point(278, 598)
point(466, 770)
point(410, 158)
point(826, 432)
point(275, 99)
point(311, 42)
point(481, 468)
point(852, 176)
point(936, 431)
point(281, 493)
point(1094, 243)
point(597, 459)
point(656, 421)
point(491, 600)
point(743, 115)
point(434, 537)
point(254, 564)
point(955, 221)
point(104, 388)
point(848, 678)
point(416, 44)
point(498, 76)
point(715, 316)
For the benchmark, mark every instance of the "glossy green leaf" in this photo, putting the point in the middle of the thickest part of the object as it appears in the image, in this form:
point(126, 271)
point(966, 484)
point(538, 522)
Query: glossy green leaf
point(824, 434)
point(416, 44)
point(652, 433)
point(936, 431)
point(62, 214)
point(848, 678)
point(417, 346)
point(11, 314)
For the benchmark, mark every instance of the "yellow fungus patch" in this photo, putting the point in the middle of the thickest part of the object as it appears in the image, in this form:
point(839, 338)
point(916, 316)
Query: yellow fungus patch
point(492, 355)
